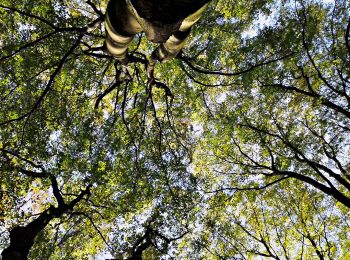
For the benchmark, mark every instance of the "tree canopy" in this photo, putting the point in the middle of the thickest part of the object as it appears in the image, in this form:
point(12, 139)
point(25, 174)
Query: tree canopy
point(239, 149)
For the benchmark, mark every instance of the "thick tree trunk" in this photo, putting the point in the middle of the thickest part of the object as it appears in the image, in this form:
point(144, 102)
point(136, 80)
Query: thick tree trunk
point(22, 238)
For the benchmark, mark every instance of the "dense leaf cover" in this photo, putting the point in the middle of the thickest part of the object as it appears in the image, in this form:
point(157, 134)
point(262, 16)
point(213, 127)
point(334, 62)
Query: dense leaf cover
point(239, 149)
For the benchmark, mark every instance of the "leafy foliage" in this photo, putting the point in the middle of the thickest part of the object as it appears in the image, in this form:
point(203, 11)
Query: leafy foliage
point(239, 149)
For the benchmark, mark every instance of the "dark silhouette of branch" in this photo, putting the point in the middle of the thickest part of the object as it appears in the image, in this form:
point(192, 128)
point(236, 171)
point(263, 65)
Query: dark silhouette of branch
point(316, 166)
point(22, 237)
point(147, 240)
point(202, 83)
point(273, 168)
point(303, 22)
point(15, 154)
point(57, 30)
point(347, 37)
point(210, 72)
point(93, 6)
point(28, 45)
point(315, 95)
point(106, 92)
point(89, 28)
point(121, 72)
point(259, 239)
point(32, 173)
point(141, 245)
point(95, 227)
point(29, 15)
point(163, 86)
point(99, 52)
point(249, 188)
point(330, 191)
point(314, 245)
point(48, 85)
point(56, 191)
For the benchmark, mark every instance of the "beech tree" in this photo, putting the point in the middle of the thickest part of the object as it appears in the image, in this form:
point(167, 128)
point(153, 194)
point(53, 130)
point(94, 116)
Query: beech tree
point(237, 149)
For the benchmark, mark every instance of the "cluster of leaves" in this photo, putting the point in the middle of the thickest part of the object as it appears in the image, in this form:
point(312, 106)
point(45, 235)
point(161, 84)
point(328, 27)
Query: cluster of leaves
point(239, 148)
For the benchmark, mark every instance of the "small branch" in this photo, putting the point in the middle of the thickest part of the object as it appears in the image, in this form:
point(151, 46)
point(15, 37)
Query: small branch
point(32, 173)
point(96, 10)
point(29, 15)
point(56, 191)
point(31, 163)
point(27, 45)
point(209, 72)
point(95, 227)
point(107, 91)
point(323, 100)
point(163, 86)
point(347, 36)
point(250, 188)
point(48, 85)
point(80, 196)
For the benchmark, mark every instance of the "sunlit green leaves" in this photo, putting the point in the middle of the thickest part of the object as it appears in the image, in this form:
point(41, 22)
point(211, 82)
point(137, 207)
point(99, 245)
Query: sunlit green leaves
point(249, 158)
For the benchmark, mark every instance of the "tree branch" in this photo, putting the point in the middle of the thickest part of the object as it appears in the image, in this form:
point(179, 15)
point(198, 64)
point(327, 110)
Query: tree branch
point(22, 237)
point(209, 72)
point(29, 15)
point(48, 85)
